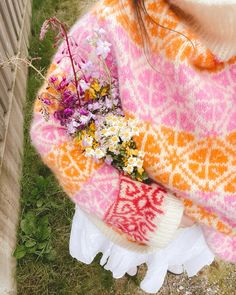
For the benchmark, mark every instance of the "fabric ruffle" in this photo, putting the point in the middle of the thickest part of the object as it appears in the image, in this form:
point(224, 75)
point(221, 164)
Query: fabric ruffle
point(188, 252)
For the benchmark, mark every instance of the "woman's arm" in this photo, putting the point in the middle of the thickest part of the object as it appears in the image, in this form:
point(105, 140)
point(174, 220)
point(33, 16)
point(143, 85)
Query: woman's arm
point(147, 214)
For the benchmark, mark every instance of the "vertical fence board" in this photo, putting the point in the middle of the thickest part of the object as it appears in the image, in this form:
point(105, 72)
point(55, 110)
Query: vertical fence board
point(6, 75)
point(12, 13)
point(17, 10)
point(4, 38)
point(9, 28)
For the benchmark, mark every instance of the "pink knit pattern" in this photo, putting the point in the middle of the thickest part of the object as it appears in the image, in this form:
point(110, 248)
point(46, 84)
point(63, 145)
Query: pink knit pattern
point(100, 191)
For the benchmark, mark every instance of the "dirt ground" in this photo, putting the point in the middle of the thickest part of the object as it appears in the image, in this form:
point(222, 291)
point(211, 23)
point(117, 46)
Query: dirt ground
point(217, 279)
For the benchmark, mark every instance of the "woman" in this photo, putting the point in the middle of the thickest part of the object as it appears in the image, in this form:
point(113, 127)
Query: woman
point(175, 65)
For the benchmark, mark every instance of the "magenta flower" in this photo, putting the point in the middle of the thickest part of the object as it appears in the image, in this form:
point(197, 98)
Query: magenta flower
point(68, 112)
point(64, 83)
point(84, 112)
point(53, 79)
point(47, 101)
point(58, 115)
point(69, 99)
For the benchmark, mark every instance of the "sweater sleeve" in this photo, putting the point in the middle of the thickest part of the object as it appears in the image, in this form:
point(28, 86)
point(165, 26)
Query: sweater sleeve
point(146, 214)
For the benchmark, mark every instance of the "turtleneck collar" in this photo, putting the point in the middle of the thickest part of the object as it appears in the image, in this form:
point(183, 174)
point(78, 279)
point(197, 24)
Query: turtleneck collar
point(214, 21)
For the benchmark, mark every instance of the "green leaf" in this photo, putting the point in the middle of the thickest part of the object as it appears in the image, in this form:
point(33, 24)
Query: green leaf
point(42, 245)
point(28, 224)
point(32, 250)
point(45, 233)
point(30, 243)
point(19, 252)
point(39, 203)
point(43, 228)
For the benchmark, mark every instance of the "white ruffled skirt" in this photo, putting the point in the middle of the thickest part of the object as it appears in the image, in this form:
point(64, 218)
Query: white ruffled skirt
point(188, 252)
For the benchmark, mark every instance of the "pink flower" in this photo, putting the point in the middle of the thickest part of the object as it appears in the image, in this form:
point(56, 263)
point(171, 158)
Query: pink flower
point(102, 48)
point(44, 29)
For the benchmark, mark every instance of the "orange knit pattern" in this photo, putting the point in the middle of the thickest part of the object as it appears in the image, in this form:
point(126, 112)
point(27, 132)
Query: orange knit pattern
point(165, 38)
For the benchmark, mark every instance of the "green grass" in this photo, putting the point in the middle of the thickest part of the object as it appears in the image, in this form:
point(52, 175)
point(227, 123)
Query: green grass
point(58, 273)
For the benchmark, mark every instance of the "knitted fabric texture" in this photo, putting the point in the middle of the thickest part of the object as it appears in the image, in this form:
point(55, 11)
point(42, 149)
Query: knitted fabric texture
point(187, 116)
point(204, 16)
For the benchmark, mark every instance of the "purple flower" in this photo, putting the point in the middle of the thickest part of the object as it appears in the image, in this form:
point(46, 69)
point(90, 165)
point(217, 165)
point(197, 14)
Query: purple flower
point(64, 115)
point(68, 102)
point(67, 93)
point(64, 83)
point(108, 103)
point(68, 112)
point(95, 106)
point(81, 92)
point(82, 126)
point(73, 126)
point(46, 101)
point(84, 112)
point(53, 79)
point(87, 67)
point(59, 115)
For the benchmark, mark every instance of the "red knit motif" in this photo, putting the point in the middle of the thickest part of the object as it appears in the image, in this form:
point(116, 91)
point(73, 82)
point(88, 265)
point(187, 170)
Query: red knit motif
point(135, 209)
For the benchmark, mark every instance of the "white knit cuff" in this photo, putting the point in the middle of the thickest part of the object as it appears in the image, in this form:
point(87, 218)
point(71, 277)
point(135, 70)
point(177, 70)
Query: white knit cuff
point(167, 223)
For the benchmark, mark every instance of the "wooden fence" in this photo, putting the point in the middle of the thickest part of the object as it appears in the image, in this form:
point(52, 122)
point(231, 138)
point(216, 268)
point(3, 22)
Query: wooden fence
point(14, 34)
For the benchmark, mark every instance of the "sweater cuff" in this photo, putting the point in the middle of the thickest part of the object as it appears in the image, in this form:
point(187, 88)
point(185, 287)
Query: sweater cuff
point(167, 224)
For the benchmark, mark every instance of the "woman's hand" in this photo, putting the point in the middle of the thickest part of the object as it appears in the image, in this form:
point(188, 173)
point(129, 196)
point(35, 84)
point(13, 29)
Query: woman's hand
point(186, 221)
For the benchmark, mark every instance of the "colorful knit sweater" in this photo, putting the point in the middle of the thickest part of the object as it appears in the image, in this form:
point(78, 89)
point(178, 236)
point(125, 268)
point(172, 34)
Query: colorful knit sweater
point(186, 106)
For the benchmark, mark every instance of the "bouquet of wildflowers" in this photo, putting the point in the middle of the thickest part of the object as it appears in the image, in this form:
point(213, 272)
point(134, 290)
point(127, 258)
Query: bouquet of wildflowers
point(88, 105)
